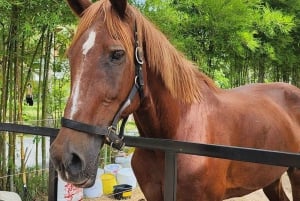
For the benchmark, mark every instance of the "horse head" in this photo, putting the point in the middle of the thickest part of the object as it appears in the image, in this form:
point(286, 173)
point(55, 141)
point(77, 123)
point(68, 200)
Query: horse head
point(105, 79)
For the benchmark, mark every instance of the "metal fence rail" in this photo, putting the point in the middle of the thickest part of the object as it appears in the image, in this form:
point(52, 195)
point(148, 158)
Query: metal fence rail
point(171, 149)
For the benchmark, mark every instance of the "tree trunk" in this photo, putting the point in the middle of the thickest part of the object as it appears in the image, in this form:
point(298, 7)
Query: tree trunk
point(261, 70)
point(44, 95)
point(13, 65)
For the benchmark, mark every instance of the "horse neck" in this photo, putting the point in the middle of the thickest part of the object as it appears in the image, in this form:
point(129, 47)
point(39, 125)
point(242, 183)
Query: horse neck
point(160, 114)
point(153, 118)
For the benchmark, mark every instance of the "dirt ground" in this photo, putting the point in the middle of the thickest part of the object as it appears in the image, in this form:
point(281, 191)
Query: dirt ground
point(255, 196)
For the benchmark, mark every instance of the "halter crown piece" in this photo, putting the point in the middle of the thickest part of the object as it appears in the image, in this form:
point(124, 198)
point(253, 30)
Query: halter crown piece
point(110, 132)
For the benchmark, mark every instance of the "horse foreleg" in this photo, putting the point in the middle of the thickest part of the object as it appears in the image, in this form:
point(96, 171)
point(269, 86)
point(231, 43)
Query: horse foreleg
point(275, 191)
point(148, 173)
point(294, 175)
point(152, 191)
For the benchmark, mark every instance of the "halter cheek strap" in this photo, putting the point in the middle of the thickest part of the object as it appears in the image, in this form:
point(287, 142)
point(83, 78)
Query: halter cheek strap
point(110, 132)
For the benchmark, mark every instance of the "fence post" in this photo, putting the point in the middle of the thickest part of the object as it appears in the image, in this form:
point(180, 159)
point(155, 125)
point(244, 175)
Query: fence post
point(52, 180)
point(170, 176)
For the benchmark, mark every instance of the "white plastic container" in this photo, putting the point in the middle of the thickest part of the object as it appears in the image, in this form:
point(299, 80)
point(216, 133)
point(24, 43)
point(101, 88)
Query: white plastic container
point(68, 192)
point(96, 190)
point(126, 176)
point(112, 168)
point(124, 161)
point(9, 196)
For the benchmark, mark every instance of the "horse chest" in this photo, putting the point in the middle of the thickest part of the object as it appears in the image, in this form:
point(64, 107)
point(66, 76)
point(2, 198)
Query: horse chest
point(148, 165)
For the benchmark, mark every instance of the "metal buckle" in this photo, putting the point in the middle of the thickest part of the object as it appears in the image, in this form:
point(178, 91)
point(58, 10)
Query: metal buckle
point(118, 146)
point(111, 130)
point(113, 139)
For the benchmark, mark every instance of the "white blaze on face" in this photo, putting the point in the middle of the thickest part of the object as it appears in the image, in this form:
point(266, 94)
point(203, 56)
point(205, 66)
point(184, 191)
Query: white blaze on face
point(89, 43)
point(86, 47)
point(75, 100)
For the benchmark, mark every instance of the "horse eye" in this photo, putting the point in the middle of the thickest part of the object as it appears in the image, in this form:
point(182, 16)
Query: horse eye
point(116, 55)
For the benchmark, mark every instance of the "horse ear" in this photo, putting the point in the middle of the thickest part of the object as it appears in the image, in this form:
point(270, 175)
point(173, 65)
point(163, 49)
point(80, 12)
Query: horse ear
point(78, 6)
point(119, 6)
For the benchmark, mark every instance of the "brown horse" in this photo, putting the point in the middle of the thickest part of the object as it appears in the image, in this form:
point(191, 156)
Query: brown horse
point(169, 98)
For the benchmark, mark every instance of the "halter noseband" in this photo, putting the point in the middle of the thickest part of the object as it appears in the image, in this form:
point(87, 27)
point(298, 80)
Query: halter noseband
point(110, 132)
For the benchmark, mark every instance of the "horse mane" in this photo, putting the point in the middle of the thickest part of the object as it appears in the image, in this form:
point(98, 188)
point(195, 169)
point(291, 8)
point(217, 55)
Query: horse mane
point(180, 76)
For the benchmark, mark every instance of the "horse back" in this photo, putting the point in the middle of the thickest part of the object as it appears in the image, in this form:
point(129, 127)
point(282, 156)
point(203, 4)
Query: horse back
point(258, 116)
point(286, 96)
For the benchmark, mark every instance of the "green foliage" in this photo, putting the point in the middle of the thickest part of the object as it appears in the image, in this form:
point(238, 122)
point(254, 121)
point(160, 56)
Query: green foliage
point(29, 112)
point(35, 188)
point(234, 36)
point(221, 79)
point(274, 22)
point(161, 12)
point(248, 40)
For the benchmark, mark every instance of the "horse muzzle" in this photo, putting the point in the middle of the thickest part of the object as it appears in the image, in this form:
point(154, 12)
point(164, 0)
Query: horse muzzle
point(75, 156)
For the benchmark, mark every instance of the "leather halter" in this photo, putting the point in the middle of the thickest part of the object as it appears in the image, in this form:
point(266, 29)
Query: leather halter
point(110, 132)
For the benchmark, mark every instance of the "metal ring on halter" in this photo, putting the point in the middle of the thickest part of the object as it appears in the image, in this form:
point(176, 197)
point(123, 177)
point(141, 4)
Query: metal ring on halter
point(111, 130)
point(118, 147)
point(137, 56)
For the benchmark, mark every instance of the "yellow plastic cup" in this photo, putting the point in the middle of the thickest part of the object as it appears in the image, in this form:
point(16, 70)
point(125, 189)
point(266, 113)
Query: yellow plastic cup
point(108, 183)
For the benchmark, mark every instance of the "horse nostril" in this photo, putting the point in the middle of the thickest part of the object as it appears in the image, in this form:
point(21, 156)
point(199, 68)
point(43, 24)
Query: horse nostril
point(75, 165)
